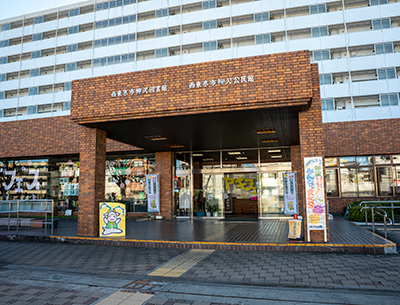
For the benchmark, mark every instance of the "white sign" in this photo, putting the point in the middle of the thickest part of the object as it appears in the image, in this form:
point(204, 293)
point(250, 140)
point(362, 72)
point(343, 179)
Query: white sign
point(137, 91)
point(222, 81)
point(19, 180)
point(290, 193)
point(315, 195)
point(153, 193)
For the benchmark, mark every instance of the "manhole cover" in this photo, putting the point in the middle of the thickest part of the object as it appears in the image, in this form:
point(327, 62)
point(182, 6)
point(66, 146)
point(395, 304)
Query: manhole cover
point(145, 286)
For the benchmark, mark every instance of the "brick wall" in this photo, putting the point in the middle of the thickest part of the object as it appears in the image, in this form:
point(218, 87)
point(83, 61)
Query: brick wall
point(279, 80)
point(164, 167)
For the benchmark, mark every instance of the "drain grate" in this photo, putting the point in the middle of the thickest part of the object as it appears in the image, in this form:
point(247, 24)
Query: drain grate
point(144, 286)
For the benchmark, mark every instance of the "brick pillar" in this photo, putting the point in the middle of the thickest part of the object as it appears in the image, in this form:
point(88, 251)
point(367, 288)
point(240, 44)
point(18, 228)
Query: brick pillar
point(311, 145)
point(92, 173)
point(297, 167)
point(164, 167)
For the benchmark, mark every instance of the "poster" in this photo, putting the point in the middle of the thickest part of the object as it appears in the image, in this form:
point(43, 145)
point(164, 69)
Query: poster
point(290, 193)
point(294, 229)
point(153, 193)
point(315, 194)
point(112, 219)
point(228, 201)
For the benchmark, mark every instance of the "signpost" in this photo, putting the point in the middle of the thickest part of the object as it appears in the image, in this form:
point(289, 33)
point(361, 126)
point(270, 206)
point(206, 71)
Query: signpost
point(290, 193)
point(153, 193)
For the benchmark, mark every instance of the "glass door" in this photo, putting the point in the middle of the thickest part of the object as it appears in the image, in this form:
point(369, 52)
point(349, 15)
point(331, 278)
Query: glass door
point(182, 196)
point(271, 202)
point(213, 194)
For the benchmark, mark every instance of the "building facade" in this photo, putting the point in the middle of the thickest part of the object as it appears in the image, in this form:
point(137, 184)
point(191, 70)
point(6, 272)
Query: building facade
point(47, 58)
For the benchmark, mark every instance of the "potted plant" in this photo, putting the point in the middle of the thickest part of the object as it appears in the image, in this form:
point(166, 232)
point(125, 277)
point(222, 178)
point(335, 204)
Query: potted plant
point(212, 209)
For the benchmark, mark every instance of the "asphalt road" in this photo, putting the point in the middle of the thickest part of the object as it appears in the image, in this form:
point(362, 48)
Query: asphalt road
point(66, 274)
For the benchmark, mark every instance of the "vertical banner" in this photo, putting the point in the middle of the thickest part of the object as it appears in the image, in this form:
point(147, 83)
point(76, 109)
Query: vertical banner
point(228, 200)
point(290, 193)
point(315, 195)
point(153, 193)
point(112, 219)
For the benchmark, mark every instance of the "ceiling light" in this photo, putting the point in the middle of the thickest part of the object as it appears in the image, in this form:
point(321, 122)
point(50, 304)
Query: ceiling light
point(198, 155)
point(269, 140)
point(175, 145)
point(156, 138)
point(234, 153)
point(276, 157)
point(274, 151)
point(208, 159)
point(265, 130)
point(241, 158)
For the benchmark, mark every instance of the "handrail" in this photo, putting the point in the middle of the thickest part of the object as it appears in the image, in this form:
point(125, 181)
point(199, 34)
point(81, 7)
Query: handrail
point(379, 211)
point(381, 207)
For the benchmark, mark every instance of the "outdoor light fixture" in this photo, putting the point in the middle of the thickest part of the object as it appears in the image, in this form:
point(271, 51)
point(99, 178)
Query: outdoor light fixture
point(234, 153)
point(276, 157)
point(156, 138)
point(265, 130)
point(269, 140)
point(274, 151)
point(175, 145)
point(198, 155)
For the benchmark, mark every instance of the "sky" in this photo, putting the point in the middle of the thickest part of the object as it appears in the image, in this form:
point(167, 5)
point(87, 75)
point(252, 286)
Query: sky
point(12, 8)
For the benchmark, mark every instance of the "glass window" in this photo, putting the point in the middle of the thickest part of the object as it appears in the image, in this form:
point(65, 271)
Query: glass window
point(4, 43)
point(5, 27)
point(382, 159)
point(212, 24)
point(72, 48)
point(321, 55)
point(384, 181)
point(364, 160)
point(260, 39)
point(73, 30)
point(331, 162)
point(377, 2)
point(126, 2)
point(32, 109)
point(396, 159)
point(325, 79)
point(74, 12)
point(209, 46)
point(111, 22)
point(261, 17)
point(162, 13)
point(209, 4)
point(331, 183)
point(2, 95)
point(3, 77)
point(66, 106)
point(68, 86)
point(319, 32)
point(381, 24)
point(71, 67)
point(161, 32)
point(348, 177)
point(317, 9)
point(1, 113)
point(36, 54)
point(131, 57)
point(33, 91)
point(36, 37)
point(389, 99)
point(161, 53)
point(328, 104)
point(384, 48)
point(96, 63)
point(37, 20)
point(386, 73)
point(3, 60)
point(34, 72)
point(365, 180)
point(347, 161)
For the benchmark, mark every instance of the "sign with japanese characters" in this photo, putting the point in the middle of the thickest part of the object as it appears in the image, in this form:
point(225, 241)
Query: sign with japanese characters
point(139, 91)
point(19, 180)
point(315, 195)
point(245, 184)
point(221, 81)
point(290, 193)
point(153, 193)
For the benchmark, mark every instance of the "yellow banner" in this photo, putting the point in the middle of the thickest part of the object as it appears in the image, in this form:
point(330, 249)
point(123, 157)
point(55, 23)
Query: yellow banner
point(294, 229)
point(112, 219)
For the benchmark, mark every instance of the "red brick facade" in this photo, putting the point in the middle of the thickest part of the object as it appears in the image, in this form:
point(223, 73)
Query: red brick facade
point(164, 167)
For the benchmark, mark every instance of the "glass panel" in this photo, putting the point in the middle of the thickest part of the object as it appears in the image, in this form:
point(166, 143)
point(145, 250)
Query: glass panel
point(396, 159)
point(365, 181)
point(240, 159)
point(382, 159)
point(396, 180)
point(331, 162)
point(213, 186)
point(240, 191)
point(347, 161)
point(364, 160)
point(182, 195)
point(271, 194)
point(384, 181)
point(331, 183)
point(349, 184)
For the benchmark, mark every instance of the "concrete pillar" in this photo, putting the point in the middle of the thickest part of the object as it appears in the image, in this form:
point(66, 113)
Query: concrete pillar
point(92, 172)
point(165, 167)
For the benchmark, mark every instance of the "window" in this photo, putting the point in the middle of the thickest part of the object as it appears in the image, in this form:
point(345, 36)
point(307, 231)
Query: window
point(100, 62)
point(321, 55)
point(33, 91)
point(207, 25)
point(3, 60)
point(128, 38)
point(317, 9)
point(161, 32)
point(3, 77)
point(73, 30)
point(162, 13)
point(32, 109)
point(381, 24)
point(377, 2)
point(36, 54)
point(5, 27)
point(319, 32)
point(126, 2)
point(36, 37)
point(102, 6)
point(209, 4)
point(1, 113)
point(127, 58)
point(74, 12)
point(116, 3)
point(384, 48)
point(328, 104)
point(386, 73)
point(261, 17)
point(389, 99)
point(68, 86)
point(66, 106)
point(4, 43)
point(127, 19)
point(209, 46)
point(161, 53)
point(37, 20)
point(70, 67)
point(325, 79)
point(260, 39)
point(34, 72)
point(2, 95)
point(72, 48)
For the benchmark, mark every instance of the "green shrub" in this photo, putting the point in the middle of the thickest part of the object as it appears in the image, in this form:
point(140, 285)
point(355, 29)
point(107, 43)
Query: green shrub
point(354, 212)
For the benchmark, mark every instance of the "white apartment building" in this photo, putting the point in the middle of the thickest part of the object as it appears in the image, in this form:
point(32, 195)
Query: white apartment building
point(355, 42)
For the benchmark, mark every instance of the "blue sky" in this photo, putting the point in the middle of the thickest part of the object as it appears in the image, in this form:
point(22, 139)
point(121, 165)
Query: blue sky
point(12, 8)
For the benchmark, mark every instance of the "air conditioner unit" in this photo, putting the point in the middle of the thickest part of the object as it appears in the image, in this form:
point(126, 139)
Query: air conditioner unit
point(220, 46)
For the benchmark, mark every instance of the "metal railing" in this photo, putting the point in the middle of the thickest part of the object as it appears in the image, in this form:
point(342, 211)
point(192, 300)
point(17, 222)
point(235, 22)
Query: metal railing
point(376, 211)
point(392, 207)
point(28, 206)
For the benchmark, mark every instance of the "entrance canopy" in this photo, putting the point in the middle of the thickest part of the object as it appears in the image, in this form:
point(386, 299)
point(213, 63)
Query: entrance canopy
point(245, 102)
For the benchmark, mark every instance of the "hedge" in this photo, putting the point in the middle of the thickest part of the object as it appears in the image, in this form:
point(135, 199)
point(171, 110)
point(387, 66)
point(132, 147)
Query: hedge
point(354, 213)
